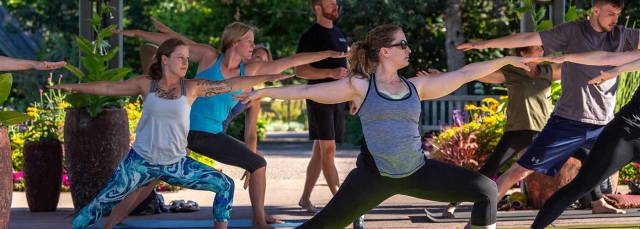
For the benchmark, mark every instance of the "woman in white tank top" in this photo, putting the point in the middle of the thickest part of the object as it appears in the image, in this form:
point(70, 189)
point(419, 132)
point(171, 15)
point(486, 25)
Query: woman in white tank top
point(159, 151)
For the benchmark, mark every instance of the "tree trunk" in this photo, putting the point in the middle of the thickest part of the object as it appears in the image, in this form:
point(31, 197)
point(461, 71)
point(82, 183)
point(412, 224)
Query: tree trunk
point(453, 23)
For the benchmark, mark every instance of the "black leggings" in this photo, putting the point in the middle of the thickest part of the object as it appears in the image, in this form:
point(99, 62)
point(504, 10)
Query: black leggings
point(617, 145)
point(225, 149)
point(363, 190)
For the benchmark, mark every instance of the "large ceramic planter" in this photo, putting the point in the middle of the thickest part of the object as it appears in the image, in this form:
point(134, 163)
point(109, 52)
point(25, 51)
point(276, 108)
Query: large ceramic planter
point(540, 187)
point(6, 178)
point(42, 169)
point(93, 148)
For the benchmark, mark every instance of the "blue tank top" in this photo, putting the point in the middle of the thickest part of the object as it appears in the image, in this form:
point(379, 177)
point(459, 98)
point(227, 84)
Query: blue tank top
point(208, 113)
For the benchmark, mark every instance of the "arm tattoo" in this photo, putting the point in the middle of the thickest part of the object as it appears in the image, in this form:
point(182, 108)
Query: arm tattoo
point(212, 88)
point(164, 94)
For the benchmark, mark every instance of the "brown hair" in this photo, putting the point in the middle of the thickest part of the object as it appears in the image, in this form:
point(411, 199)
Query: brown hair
point(166, 48)
point(517, 51)
point(615, 3)
point(234, 32)
point(363, 55)
point(313, 3)
point(261, 47)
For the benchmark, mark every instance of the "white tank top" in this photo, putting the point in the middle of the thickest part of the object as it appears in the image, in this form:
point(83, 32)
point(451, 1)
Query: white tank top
point(161, 135)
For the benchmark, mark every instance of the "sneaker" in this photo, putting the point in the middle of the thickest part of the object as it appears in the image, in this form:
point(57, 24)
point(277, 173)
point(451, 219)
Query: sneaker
point(359, 223)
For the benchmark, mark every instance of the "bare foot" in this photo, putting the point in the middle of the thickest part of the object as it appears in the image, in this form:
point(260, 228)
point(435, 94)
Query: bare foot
point(306, 204)
point(270, 220)
point(448, 213)
point(601, 207)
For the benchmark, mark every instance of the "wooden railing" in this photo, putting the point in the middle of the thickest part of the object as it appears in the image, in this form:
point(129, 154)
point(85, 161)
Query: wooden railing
point(439, 111)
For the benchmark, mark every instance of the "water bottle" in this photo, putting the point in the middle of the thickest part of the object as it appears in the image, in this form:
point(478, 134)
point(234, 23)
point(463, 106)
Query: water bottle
point(359, 223)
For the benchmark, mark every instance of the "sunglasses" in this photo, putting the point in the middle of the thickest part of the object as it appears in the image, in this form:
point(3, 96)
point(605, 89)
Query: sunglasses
point(402, 44)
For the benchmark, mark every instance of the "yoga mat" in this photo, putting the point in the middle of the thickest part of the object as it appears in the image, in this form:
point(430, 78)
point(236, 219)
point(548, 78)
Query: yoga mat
point(607, 226)
point(193, 224)
point(530, 215)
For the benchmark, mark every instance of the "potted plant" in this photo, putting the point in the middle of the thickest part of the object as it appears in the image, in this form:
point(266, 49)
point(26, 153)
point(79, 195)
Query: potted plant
point(96, 127)
point(6, 169)
point(42, 155)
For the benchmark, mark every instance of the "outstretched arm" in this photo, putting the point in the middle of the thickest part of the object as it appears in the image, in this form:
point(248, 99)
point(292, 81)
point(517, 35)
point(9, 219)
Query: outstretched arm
point(12, 64)
point(327, 93)
point(441, 85)
point(197, 52)
point(277, 66)
point(129, 87)
point(165, 29)
point(307, 71)
point(206, 88)
point(612, 73)
point(494, 77)
point(512, 41)
point(601, 58)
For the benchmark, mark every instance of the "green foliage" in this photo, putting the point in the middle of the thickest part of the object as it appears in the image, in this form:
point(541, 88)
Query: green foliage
point(629, 172)
point(353, 130)
point(236, 127)
point(469, 144)
point(556, 92)
point(48, 116)
point(628, 83)
point(53, 26)
point(9, 117)
point(288, 111)
point(97, 55)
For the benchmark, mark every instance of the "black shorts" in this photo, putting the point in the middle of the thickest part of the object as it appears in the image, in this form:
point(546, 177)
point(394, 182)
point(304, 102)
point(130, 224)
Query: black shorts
point(326, 121)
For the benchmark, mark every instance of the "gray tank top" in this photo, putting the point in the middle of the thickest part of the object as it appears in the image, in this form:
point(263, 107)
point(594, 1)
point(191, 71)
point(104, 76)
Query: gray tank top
point(161, 135)
point(390, 130)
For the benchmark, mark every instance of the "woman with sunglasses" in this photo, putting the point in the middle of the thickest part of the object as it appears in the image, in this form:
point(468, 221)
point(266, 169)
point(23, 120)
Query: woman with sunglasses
point(205, 132)
point(391, 160)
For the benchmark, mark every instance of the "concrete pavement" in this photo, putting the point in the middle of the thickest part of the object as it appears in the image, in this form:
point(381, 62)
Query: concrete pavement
point(287, 156)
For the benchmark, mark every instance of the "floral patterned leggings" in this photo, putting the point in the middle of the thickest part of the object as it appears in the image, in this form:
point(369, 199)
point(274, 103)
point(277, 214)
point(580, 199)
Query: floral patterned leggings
point(135, 172)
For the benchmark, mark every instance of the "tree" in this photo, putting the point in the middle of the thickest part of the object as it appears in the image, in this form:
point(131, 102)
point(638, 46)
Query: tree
point(455, 57)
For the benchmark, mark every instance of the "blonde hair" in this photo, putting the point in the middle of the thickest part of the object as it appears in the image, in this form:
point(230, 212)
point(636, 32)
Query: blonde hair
point(234, 32)
point(363, 55)
point(261, 47)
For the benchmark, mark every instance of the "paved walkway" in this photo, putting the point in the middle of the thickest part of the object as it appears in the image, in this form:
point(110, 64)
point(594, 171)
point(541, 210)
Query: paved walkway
point(287, 156)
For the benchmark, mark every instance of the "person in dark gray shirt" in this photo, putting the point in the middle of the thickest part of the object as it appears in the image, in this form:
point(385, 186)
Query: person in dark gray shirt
point(618, 144)
point(582, 110)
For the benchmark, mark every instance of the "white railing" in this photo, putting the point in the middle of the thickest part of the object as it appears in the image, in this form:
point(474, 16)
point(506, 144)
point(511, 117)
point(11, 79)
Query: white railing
point(440, 110)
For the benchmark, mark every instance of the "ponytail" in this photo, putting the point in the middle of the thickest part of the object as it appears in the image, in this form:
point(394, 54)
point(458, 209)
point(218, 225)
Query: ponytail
point(360, 62)
point(155, 71)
